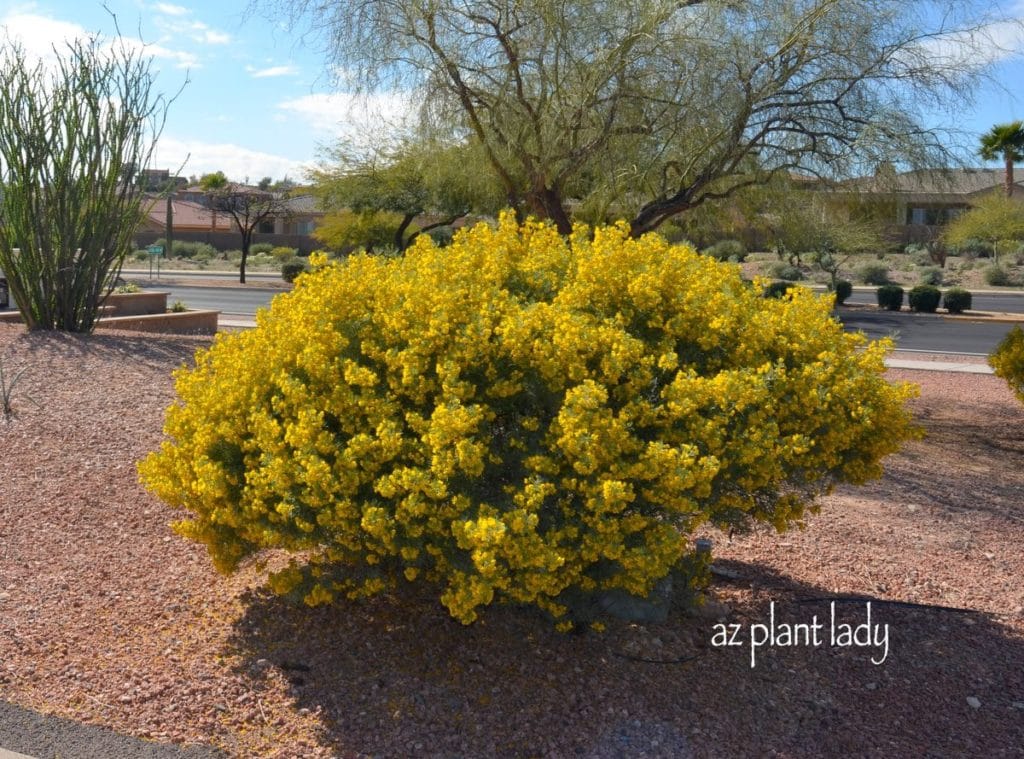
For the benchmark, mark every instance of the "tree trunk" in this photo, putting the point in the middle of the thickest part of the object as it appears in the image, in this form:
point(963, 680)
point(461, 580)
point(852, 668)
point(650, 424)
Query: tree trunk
point(400, 241)
point(246, 241)
point(547, 204)
point(1008, 157)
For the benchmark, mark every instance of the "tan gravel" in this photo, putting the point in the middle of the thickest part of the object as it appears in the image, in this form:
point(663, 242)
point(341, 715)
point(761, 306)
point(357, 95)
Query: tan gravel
point(108, 617)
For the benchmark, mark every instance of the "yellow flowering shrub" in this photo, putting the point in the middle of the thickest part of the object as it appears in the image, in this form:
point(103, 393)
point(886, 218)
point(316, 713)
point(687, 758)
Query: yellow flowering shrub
point(1008, 361)
point(517, 417)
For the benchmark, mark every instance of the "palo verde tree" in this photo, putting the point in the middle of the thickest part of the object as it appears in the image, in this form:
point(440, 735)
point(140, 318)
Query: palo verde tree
point(247, 206)
point(74, 133)
point(411, 178)
point(658, 106)
point(995, 218)
point(1006, 142)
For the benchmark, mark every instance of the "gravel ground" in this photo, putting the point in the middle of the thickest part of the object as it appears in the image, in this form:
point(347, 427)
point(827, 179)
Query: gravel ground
point(108, 618)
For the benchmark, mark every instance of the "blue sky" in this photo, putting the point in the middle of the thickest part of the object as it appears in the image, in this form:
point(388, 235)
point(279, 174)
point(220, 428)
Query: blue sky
point(259, 101)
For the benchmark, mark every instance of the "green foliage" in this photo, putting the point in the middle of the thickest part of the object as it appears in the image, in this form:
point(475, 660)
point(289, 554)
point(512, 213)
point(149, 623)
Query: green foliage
point(931, 275)
point(873, 274)
point(1008, 361)
point(781, 270)
point(973, 247)
point(996, 276)
point(191, 250)
point(843, 289)
point(7, 385)
point(292, 269)
point(728, 250)
point(128, 287)
point(261, 247)
point(778, 289)
point(956, 300)
point(343, 231)
point(178, 307)
point(519, 418)
point(890, 297)
point(993, 219)
point(283, 253)
point(75, 132)
point(214, 181)
point(924, 298)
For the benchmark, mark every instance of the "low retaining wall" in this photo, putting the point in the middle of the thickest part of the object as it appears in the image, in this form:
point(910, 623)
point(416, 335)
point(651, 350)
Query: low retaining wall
point(133, 304)
point(171, 323)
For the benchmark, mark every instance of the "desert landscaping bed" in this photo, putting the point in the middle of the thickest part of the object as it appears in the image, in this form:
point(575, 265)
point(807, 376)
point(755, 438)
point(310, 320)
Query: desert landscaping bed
point(107, 617)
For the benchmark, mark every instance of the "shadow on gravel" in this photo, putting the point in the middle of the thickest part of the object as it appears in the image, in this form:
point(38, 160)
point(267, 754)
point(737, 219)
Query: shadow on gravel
point(399, 677)
point(987, 475)
point(151, 351)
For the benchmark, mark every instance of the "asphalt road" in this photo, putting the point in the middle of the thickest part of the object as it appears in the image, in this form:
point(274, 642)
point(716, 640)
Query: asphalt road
point(922, 332)
point(1012, 303)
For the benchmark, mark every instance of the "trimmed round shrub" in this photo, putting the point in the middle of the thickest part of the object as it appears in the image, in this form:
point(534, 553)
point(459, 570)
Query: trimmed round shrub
point(956, 300)
point(890, 297)
point(260, 247)
point(996, 276)
point(924, 298)
point(778, 288)
point(785, 271)
point(728, 250)
point(292, 269)
point(520, 418)
point(873, 274)
point(931, 275)
point(1008, 361)
point(843, 289)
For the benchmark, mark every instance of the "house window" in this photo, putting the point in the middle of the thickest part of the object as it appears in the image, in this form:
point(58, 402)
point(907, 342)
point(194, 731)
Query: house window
point(267, 227)
point(305, 227)
point(932, 217)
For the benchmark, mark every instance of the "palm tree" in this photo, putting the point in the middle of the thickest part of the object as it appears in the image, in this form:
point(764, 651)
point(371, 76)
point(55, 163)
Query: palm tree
point(1004, 141)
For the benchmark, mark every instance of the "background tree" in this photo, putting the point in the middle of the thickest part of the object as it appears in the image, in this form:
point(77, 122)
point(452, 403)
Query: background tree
point(1005, 141)
point(247, 206)
point(657, 107)
point(413, 178)
point(69, 132)
point(995, 218)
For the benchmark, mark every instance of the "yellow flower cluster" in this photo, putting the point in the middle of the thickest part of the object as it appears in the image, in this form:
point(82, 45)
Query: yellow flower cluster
point(1008, 361)
point(517, 417)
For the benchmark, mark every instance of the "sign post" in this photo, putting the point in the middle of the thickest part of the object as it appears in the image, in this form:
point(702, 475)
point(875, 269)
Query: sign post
point(155, 251)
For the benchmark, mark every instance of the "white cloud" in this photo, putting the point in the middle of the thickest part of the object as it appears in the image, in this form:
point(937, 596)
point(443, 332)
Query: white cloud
point(176, 21)
point(39, 34)
point(171, 10)
point(235, 161)
point(287, 70)
point(975, 49)
point(361, 119)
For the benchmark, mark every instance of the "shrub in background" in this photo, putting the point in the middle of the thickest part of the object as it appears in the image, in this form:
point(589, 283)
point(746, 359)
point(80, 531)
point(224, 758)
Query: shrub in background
point(924, 298)
point(788, 272)
point(292, 269)
point(518, 417)
point(1008, 361)
point(996, 276)
point(283, 253)
point(931, 275)
point(890, 297)
point(260, 247)
point(873, 274)
point(728, 250)
point(842, 288)
point(778, 288)
point(956, 300)
point(974, 248)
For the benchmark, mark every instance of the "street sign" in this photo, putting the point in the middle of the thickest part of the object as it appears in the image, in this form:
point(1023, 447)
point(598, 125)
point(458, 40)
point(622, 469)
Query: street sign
point(155, 250)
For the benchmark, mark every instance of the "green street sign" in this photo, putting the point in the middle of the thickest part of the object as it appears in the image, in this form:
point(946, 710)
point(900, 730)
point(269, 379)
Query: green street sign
point(155, 250)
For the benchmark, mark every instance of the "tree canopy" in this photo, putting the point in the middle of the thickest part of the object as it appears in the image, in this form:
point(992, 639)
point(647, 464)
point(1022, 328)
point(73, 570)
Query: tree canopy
point(652, 108)
point(1005, 142)
point(993, 219)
